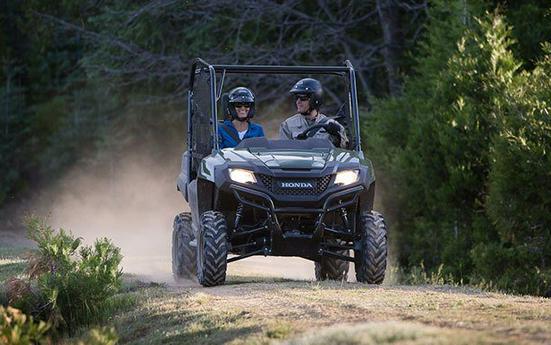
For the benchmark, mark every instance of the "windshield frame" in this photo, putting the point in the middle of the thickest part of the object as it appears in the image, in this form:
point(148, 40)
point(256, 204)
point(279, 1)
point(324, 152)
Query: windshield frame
point(199, 65)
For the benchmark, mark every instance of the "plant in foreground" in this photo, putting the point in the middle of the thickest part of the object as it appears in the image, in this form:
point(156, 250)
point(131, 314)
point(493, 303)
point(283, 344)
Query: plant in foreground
point(68, 284)
point(18, 328)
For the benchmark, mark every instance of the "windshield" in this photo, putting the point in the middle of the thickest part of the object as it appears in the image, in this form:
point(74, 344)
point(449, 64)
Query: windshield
point(272, 107)
point(263, 143)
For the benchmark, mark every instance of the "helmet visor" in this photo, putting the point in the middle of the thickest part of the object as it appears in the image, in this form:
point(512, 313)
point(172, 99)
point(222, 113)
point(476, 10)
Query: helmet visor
point(242, 105)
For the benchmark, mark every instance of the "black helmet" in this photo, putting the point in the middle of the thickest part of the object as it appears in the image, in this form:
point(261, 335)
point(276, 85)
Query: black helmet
point(310, 87)
point(240, 95)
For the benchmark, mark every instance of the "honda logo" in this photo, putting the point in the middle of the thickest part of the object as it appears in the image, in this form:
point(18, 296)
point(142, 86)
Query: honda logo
point(296, 185)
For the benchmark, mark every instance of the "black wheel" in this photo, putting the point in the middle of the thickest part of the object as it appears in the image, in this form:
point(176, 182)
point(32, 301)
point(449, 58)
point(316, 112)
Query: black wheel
point(333, 269)
point(183, 254)
point(212, 249)
point(370, 259)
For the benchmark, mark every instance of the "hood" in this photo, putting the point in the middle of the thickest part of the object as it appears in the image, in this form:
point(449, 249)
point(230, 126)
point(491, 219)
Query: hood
point(290, 159)
point(293, 160)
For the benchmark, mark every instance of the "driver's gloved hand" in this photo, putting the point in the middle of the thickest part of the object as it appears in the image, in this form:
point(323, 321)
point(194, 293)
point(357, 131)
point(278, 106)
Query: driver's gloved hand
point(333, 128)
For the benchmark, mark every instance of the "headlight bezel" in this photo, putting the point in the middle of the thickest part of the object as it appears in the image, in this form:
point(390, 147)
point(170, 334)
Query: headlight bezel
point(243, 176)
point(346, 177)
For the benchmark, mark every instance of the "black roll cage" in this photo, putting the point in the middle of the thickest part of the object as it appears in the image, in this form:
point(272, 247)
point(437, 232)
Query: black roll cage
point(345, 70)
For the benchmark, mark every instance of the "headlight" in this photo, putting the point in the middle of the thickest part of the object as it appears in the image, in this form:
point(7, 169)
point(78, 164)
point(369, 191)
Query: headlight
point(346, 177)
point(242, 176)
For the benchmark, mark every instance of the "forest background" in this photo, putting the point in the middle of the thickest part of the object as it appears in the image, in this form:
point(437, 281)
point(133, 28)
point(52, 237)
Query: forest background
point(456, 109)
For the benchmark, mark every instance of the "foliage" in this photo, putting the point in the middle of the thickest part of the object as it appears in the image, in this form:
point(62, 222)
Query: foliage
point(14, 126)
point(85, 78)
point(100, 336)
point(70, 285)
point(45, 121)
point(529, 33)
point(466, 151)
point(519, 202)
point(17, 328)
point(429, 162)
point(418, 275)
point(93, 79)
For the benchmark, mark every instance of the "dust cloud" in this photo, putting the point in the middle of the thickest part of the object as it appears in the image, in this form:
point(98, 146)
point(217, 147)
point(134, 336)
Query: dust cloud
point(131, 198)
point(133, 201)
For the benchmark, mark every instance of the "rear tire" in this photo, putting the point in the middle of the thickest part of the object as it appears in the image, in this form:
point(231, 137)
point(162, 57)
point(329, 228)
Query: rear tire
point(332, 269)
point(370, 259)
point(212, 249)
point(183, 254)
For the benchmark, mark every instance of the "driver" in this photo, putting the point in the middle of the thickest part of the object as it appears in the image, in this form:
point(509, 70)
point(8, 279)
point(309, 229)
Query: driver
point(308, 98)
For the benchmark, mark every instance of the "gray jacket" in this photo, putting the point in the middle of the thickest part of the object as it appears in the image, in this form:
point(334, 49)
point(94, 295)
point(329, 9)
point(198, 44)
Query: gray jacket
point(297, 123)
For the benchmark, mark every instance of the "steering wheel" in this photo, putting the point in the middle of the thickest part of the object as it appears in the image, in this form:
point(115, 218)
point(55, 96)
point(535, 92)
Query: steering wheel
point(336, 139)
point(304, 134)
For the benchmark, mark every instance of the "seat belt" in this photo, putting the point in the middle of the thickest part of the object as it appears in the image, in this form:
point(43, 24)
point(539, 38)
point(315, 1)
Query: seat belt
point(230, 132)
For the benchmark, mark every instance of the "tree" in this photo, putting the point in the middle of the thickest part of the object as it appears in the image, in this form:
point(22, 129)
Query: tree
point(462, 124)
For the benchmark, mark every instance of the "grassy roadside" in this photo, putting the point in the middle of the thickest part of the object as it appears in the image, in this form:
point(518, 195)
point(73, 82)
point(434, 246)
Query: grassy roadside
point(264, 310)
point(331, 313)
point(12, 262)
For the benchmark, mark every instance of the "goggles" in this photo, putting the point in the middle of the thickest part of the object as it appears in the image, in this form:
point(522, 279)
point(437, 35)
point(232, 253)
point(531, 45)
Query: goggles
point(302, 97)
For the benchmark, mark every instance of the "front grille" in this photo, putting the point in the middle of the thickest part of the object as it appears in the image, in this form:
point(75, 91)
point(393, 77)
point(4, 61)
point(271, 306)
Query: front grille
point(296, 186)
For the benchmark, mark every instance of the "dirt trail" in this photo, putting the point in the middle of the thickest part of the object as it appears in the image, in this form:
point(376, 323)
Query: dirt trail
point(282, 291)
point(486, 317)
point(264, 296)
point(158, 268)
point(253, 310)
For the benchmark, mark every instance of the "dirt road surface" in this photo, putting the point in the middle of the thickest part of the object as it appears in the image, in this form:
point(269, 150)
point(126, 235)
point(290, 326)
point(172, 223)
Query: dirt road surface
point(272, 300)
point(265, 309)
point(276, 300)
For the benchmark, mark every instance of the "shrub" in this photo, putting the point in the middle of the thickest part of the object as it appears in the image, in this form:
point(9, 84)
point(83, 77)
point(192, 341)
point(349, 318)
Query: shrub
point(467, 150)
point(438, 156)
point(16, 328)
point(519, 201)
point(70, 284)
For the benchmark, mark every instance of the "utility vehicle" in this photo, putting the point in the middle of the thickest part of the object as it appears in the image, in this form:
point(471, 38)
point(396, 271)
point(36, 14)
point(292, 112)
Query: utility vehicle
point(303, 198)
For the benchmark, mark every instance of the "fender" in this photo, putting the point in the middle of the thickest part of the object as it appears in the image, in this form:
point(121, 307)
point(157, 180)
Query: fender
point(201, 199)
point(184, 178)
point(208, 166)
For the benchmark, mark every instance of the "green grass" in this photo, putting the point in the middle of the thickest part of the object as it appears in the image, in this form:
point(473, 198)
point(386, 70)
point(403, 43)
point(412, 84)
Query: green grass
point(253, 310)
point(266, 310)
point(390, 332)
point(12, 262)
point(279, 330)
point(164, 317)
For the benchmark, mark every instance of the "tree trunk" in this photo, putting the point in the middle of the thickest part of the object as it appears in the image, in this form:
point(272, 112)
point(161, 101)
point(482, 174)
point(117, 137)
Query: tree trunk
point(389, 19)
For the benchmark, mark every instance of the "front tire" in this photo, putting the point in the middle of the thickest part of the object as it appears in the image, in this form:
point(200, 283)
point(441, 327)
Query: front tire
point(370, 259)
point(183, 254)
point(212, 249)
point(333, 269)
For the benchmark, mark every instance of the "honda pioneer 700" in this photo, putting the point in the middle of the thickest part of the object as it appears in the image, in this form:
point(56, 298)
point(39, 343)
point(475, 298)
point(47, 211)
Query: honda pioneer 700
point(302, 198)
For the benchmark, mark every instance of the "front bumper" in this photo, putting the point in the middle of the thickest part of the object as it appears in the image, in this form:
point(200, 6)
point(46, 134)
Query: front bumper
point(294, 242)
point(259, 200)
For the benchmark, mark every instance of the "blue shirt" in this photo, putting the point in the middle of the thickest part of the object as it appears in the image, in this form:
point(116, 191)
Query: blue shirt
point(226, 140)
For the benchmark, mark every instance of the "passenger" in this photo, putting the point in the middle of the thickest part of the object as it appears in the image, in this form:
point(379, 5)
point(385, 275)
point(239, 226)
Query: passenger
point(241, 107)
point(308, 94)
